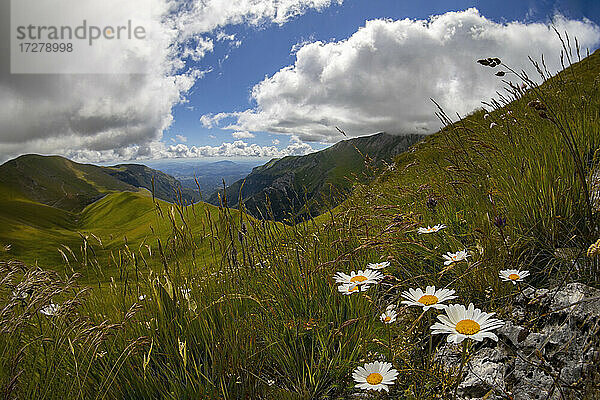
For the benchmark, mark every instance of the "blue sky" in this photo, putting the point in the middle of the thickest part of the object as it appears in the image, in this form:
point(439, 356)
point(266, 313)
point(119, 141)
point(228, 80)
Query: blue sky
point(265, 50)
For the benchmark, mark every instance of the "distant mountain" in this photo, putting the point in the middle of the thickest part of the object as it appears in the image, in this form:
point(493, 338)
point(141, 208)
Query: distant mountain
point(58, 182)
point(210, 175)
point(296, 185)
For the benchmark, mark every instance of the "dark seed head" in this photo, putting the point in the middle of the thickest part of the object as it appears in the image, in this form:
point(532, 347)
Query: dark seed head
point(543, 114)
point(490, 62)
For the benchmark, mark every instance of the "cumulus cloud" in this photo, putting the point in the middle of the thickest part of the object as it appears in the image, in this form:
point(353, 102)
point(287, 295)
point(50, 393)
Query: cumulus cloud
point(159, 150)
point(383, 76)
point(242, 135)
point(124, 114)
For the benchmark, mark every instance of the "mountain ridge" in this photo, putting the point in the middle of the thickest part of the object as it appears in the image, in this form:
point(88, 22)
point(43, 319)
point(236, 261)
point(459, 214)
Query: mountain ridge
point(298, 186)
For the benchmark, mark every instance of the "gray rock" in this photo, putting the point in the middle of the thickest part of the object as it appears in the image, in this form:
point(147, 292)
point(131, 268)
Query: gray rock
point(551, 350)
point(486, 372)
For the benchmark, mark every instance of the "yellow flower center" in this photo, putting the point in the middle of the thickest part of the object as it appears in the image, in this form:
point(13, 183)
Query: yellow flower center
point(467, 327)
point(513, 277)
point(358, 278)
point(388, 318)
point(428, 299)
point(374, 378)
point(354, 289)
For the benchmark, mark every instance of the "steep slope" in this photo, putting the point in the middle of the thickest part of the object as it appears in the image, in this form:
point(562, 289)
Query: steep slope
point(297, 185)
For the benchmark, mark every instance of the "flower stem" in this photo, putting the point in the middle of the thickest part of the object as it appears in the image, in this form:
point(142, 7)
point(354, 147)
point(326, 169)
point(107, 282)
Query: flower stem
point(429, 354)
point(525, 298)
point(390, 342)
point(464, 357)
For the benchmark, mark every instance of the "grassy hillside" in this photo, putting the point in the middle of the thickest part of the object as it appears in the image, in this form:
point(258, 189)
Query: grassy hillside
point(58, 182)
point(61, 183)
point(297, 186)
point(258, 315)
point(29, 227)
point(49, 204)
point(66, 241)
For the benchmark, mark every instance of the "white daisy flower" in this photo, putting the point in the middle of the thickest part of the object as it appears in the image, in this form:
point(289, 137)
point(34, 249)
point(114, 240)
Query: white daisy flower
point(455, 257)
point(375, 376)
point(50, 310)
point(513, 275)
point(430, 298)
point(366, 277)
point(380, 265)
point(142, 297)
point(350, 288)
point(431, 229)
point(462, 323)
point(389, 316)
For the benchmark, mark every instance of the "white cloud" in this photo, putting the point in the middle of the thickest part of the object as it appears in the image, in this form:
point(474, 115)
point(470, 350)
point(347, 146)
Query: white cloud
point(224, 37)
point(64, 114)
point(181, 138)
point(212, 120)
point(297, 147)
point(208, 15)
point(301, 44)
point(196, 48)
point(275, 141)
point(242, 135)
point(160, 150)
point(56, 113)
point(383, 76)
